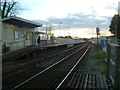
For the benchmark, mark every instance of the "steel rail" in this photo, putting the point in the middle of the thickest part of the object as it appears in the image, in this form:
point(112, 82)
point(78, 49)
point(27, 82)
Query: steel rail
point(37, 59)
point(72, 68)
point(52, 55)
point(26, 81)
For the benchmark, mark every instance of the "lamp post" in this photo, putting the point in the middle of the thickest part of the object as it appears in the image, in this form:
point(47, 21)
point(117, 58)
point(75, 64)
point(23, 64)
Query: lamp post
point(46, 32)
point(59, 28)
point(50, 34)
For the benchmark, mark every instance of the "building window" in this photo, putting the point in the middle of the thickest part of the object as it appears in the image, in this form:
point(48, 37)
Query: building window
point(16, 34)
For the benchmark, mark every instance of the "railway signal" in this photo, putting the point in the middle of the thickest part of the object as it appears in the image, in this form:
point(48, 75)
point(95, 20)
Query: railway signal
point(97, 32)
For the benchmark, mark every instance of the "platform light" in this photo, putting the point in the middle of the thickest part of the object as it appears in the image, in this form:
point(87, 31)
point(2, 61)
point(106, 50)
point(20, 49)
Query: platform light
point(59, 28)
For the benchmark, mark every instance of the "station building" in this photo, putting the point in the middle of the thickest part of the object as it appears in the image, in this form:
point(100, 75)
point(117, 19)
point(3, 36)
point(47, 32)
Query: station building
point(18, 33)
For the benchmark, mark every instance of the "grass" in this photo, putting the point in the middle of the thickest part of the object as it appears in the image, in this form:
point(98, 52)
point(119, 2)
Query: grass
point(99, 55)
point(99, 59)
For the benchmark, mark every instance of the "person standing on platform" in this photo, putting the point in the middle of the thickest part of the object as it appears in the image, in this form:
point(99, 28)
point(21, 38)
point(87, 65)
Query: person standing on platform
point(38, 40)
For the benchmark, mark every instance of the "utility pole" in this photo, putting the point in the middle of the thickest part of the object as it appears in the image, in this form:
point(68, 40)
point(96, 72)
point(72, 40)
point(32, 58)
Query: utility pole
point(0, 47)
point(118, 20)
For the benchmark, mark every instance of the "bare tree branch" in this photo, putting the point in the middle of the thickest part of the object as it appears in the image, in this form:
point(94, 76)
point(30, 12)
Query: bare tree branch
point(10, 8)
point(3, 9)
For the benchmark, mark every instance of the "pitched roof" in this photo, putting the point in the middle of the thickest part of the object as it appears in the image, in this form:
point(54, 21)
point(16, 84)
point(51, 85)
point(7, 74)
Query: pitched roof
point(21, 22)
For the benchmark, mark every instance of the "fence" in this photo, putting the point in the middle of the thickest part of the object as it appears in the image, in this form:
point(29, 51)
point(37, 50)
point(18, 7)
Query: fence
point(113, 64)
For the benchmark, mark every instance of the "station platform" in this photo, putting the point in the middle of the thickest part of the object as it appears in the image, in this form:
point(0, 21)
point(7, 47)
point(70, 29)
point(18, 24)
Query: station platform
point(12, 55)
point(24, 51)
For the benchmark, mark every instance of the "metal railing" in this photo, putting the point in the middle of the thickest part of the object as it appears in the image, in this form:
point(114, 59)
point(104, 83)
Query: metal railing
point(113, 64)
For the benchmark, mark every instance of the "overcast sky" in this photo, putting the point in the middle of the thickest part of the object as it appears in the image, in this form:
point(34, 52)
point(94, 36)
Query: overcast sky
point(78, 15)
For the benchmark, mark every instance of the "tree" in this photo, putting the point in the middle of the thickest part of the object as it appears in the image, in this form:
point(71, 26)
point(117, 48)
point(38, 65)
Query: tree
point(115, 25)
point(10, 8)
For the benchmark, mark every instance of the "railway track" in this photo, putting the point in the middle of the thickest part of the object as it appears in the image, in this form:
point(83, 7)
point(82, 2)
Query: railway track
point(50, 76)
point(43, 56)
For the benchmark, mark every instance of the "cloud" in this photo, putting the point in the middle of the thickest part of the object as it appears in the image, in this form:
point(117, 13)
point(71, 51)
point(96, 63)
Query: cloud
point(111, 7)
point(81, 20)
point(78, 20)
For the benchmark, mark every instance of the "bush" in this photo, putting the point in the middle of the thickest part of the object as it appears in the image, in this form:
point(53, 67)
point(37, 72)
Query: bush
point(100, 55)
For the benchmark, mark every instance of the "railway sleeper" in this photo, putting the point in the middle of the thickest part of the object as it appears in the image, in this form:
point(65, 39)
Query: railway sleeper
point(86, 81)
